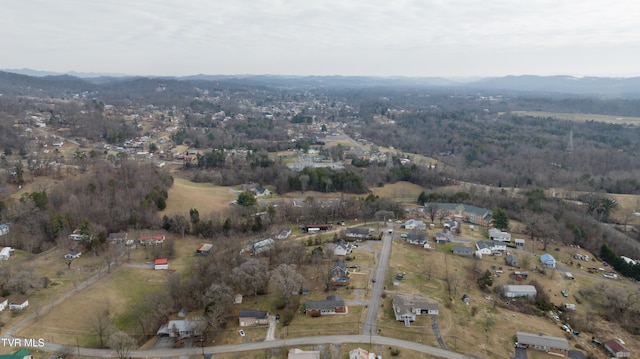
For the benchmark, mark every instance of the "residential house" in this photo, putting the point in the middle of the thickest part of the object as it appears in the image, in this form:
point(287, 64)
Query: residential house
point(182, 328)
point(295, 353)
point(417, 238)
point(511, 260)
point(4, 229)
point(466, 213)
point(406, 310)
point(415, 224)
point(252, 317)
point(19, 354)
point(204, 249)
point(519, 243)
point(339, 272)
point(19, 304)
point(548, 261)
point(498, 235)
point(120, 237)
point(490, 247)
point(5, 253)
point(161, 264)
point(332, 305)
point(617, 348)
point(151, 239)
point(360, 353)
point(554, 345)
point(3, 303)
point(450, 225)
point(342, 248)
point(283, 234)
point(257, 246)
point(359, 233)
point(513, 291)
point(463, 251)
point(440, 238)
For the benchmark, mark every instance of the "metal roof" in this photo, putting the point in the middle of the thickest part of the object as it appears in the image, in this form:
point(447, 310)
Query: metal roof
point(543, 341)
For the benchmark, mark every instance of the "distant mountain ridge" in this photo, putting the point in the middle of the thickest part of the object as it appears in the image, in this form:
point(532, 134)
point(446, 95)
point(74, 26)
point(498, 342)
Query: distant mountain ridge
point(627, 87)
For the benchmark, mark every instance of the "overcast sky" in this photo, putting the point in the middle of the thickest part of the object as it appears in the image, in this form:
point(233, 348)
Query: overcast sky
point(448, 38)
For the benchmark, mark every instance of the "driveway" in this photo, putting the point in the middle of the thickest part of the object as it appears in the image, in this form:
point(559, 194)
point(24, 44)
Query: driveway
point(521, 353)
point(436, 332)
point(576, 354)
point(271, 332)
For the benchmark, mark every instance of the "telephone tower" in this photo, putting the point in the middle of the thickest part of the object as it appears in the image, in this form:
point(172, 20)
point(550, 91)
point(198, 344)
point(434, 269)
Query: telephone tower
point(570, 144)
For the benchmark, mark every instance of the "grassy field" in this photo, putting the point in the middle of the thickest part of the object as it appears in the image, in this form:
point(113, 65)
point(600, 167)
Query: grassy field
point(71, 322)
point(582, 117)
point(205, 197)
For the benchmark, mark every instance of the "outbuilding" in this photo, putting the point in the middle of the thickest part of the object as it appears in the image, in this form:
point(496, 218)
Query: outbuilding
point(513, 291)
point(547, 260)
point(161, 264)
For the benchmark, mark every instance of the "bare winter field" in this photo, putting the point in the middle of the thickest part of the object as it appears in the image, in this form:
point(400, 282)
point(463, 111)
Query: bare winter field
point(582, 117)
point(206, 198)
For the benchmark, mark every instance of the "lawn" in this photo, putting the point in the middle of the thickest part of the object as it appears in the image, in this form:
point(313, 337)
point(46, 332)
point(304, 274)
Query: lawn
point(205, 197)
point(117, 293)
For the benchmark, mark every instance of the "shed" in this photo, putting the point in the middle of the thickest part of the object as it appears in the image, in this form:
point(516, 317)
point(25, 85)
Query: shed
point(569, 275)
point(161, 264)
point(204, 249)
point(519, 243)
point(511, 260)
point(5, 253)
point(4, 229)
point(617, 348)
point(463, 251)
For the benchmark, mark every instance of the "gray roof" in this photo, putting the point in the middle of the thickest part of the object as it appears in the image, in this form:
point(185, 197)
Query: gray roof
point(462, 249)
point(544, 341)
point(253, 313)
point(332, 302)
point(364, 231)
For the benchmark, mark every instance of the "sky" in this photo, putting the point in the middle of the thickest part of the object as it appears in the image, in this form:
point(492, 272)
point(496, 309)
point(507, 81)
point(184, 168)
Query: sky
point(441, 38)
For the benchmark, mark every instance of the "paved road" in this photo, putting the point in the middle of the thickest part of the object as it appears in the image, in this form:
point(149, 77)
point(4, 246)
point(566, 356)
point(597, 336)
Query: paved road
point(335, 339)
point(379, 274)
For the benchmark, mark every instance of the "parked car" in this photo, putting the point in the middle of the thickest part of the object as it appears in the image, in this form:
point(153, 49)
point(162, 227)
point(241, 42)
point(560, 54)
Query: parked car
point(564, 293)
point(241, 332)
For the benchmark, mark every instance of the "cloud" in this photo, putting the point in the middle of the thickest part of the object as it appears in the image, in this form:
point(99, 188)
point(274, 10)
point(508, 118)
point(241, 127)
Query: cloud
point(329, 36)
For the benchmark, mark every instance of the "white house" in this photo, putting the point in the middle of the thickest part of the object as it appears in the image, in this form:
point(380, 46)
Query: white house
point(513, 291)
point(415, 224)
point(497, 235)
point(19, 304)
point(548, 261)
point(5, 253)
point(342, 248)
point(4, 229)
point(490, 247)
point(182, 328)
point(406, 310)
point(3, 303)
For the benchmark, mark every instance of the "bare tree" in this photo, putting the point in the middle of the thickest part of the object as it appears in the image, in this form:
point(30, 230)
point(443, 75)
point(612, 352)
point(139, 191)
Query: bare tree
point(287, 280)
point(122, 343)
point(217, 302)
point(251, 276)
point(101, 326)
point(432, 211)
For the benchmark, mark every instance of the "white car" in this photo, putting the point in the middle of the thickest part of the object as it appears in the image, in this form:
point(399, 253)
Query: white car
point(403, 235)
point(241, 332)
